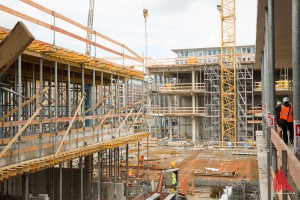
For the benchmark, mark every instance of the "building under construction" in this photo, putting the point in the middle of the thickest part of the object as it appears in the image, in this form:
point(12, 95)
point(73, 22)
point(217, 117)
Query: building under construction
point(76, 126)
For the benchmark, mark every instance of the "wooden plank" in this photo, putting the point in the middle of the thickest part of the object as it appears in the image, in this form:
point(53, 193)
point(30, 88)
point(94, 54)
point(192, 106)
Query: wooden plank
point(70, 124)
point(22, 129)
point(13, 46)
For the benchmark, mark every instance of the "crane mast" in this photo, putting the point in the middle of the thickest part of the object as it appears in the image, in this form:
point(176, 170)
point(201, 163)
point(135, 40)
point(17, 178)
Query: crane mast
point(228, 72)
point(90, 26)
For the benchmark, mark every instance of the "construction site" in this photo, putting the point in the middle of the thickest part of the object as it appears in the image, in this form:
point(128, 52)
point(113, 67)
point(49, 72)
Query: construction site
point(201, 125)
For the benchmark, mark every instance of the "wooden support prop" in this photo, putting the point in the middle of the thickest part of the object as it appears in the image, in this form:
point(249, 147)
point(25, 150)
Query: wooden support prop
point(22, 129)
point(123, 122)
point(13, 46)
point(70, 125)
point(101, 122)
point(23, 104)
point(97, 104)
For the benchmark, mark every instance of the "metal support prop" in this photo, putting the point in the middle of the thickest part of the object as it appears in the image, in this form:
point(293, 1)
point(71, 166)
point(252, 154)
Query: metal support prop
point(56, 103)
point(127, 147)
point(99, 175)
point(81, 178)
point(284, 169)
point(69, 104)
point(60, 181)
point(115, 174)
point(19, 101)
point(71, 180)
point(94, 103)
point(83, 105)
point(138, 170)
point(147, 159)
point(41, 126)
point(103, 103)
point(296, 73)
point(26, 187)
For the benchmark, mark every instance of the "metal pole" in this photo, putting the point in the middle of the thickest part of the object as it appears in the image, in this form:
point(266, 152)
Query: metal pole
point(284, 169)
point(115, 174)
point(60, 181)
point(127, 147)
point(147, 159)
point(94, 103)
point(71, 179)
point(69, 103)
point(296, 73)
point(56, 102)
point(83, 106)
point(81, 178)
point(19, 101)
point(41, 112)
point(103, 103)
point(26, 187)
point(99, 174)
point(138, 170)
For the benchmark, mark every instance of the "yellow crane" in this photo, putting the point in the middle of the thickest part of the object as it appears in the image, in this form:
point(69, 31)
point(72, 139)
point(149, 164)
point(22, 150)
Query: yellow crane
point(228, 72)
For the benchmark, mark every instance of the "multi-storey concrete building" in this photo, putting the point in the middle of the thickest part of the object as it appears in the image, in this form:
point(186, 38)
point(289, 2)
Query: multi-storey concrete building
point(185, 94)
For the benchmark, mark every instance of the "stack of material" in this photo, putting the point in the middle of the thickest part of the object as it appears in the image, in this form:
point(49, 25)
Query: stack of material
point(43, 197)
point(214, 173)
point(153, 142)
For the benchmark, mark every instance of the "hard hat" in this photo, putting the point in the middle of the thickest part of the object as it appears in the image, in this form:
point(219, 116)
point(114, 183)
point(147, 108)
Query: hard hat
point(278, 103)
point(285, 99)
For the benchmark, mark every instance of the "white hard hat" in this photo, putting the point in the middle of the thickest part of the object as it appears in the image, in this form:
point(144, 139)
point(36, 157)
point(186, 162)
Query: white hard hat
point(285, 99)
point(278, 103)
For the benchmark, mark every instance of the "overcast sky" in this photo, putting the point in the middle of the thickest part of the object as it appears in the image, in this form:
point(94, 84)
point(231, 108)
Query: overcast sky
point(172, 24)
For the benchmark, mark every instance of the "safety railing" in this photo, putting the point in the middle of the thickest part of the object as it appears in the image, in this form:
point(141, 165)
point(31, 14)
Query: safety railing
point(177, 110)
point(281, 85)
point(187, 87)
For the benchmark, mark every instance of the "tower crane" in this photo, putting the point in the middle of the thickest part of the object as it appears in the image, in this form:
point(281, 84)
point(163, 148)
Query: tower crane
point(90, 26)
point(228, 72)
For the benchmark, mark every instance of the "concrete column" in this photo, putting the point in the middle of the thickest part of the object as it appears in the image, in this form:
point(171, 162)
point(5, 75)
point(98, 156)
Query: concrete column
point(170, 129)
point(296, 72)
point(194, 129)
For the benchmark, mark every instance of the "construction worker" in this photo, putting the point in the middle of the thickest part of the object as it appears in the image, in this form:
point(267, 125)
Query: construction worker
point(174, 180)
point(278, 106)
point(285, 113)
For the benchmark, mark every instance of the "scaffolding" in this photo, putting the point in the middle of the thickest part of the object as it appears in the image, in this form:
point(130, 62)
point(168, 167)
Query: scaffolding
point(245, 103)
point(212, 128)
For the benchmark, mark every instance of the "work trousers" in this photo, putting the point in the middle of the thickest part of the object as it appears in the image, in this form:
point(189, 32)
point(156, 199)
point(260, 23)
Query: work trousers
point(288, 126)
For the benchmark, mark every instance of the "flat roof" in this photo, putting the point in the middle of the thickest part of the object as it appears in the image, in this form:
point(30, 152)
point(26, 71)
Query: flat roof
point(283, 33)
point(248, 45)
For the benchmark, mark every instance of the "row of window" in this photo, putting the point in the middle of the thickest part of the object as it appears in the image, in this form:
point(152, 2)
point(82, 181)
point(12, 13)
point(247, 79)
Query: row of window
point(209, 52)
point(215, 60)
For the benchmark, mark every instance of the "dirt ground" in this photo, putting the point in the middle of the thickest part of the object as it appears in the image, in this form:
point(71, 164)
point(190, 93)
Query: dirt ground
point(189, 159)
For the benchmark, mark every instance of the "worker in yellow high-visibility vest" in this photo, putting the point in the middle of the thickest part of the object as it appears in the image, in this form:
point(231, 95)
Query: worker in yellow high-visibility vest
point(174, 180)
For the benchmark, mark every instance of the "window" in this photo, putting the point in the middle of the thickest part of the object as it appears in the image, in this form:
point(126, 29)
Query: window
point(219, 51)
point(238, 49)
point(204, 52)
point(186, 54)
point(244, 50)
point(209, 52)
point(248, 50)
point(200, 53)
point(214, 52)
point(181, 53)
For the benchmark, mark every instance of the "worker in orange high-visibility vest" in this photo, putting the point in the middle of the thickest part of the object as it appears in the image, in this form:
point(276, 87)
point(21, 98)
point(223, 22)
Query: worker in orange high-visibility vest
point(286, 120)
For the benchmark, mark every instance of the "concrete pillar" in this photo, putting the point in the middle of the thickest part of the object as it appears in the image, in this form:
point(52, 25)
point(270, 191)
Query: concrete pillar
point(194, 129)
